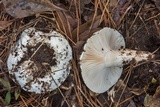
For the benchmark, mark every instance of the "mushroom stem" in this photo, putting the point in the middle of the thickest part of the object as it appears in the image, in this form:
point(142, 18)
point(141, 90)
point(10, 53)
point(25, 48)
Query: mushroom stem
point(125, 56)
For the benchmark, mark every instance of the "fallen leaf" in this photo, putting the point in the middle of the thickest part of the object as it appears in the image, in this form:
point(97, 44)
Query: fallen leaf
point(66, 22)
point(75, 4)
point(47, 3)
point(153, 101)
point(5, 83)
point(86, 34)
point(24, 8)
point(120, 9)
point(16, 94)
point(131, 104)
point(154, 81)
point(8, 97)
point(83, 37)
point(4, 24)
point(85, 28)
point(113, 3)
point(147, 100)
point(83, 3)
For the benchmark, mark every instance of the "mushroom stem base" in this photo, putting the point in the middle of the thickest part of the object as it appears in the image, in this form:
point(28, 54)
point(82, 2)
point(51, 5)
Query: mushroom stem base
point(125, 56)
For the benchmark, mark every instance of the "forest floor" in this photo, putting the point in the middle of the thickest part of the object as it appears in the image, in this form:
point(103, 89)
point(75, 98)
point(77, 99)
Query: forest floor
point(137, 20)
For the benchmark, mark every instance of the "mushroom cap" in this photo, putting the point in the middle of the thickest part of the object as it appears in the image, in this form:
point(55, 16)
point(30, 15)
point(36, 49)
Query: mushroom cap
point(97, 77)
point(40, 62)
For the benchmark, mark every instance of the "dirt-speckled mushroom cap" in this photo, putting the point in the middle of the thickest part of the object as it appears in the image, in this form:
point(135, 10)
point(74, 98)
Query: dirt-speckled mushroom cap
point(97, 77)
point(40, 62)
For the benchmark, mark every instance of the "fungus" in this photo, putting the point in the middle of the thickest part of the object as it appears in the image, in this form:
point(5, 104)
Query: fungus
point(39, 62)
point(103, 58)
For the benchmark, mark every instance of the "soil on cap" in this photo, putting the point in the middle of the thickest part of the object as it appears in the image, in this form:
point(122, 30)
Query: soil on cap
point(43, 58)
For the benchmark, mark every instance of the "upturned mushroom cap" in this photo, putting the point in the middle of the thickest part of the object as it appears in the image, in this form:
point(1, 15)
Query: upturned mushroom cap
point(96, 75)
point(40, 62)
point(103, 58)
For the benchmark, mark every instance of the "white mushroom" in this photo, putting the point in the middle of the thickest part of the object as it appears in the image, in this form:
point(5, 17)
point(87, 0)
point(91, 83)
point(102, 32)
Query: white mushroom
point(103, 58)
point(40, 62)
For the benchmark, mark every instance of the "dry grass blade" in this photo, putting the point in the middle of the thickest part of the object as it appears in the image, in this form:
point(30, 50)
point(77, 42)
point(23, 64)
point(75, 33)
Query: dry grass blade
point(125, 79)
point(24, 102)
point(78, 83)
point(64, 27)
point(4, 24)
point(144, 24)
point(122, 17)
point(127, 99)
point(88, 100)
point(105, 5)
point(157, 27)
point(79, 98)
point(152, 17)
point(84, 29)
point(95, 13)
point(78, 18)
point(103, 16)
point(137, 14)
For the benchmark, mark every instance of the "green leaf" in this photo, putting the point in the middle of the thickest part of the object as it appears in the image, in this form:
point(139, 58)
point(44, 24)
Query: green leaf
point(154, 81)
point(147, 100)
point(8, 98)
point(5, 83)
point(16, 95)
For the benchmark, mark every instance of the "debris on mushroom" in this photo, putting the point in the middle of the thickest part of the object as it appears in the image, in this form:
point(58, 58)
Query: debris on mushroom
point(103, 58)
point(40, 62)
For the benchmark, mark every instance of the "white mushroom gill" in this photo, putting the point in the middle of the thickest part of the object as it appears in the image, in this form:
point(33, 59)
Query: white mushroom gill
point(103, 58)
point(40, 62)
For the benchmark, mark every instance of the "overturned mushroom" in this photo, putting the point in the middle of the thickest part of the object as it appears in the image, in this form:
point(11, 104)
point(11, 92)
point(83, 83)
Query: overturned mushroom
point(40, 62)
point(103, 58)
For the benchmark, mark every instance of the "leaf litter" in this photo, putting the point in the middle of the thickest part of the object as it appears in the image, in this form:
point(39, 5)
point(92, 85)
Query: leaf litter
point(24, 8)
point(138, 21)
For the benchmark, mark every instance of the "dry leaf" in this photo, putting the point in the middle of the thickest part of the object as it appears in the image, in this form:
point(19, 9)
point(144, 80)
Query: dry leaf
point(24, 8)
point(131, 104)
point(77, 5)
point(4, 24)
point(113, 3)
point(85, 28)
point(83, 37)
point(147, 100)
point(66, 22)
point(83, 3)
point(65, 16)
point(155, 102)
point(121, 8)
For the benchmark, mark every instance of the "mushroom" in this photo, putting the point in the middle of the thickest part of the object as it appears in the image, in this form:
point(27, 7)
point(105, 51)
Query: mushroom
point(39, 62)
point(103, 58)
